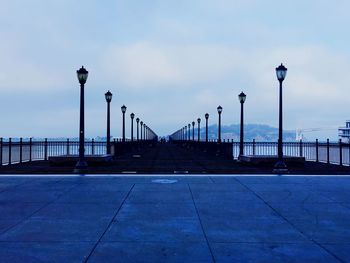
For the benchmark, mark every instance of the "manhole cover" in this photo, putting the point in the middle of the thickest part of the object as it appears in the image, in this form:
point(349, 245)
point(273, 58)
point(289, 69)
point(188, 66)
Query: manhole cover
point(164, 181)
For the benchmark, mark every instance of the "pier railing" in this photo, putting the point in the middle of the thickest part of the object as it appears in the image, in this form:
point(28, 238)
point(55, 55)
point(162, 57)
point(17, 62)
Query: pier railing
point(326, 152)
point(18, 151)
point(29, 150)
point(26, 151)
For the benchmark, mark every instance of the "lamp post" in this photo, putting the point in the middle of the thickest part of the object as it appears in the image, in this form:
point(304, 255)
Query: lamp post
point(241, 98)
point(193, 123)
point(219, 108)
point(82, 74)
point(137, 128)
point(108, 96)
point(141, 127)
point(206, 126)
point(123, 108)
point(185, 133)
point(189, 131)
point(199, 129)
point(132, 116)
point(280, 166)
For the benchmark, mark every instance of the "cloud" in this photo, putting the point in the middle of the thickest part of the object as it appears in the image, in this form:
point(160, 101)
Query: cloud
point(160, 66)
point(173, 61)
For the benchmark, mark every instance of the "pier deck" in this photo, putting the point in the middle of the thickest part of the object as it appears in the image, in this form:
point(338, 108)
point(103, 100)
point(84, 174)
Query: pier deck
point(175, 218)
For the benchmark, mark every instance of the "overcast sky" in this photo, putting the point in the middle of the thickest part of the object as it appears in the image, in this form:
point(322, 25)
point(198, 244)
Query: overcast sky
point(170, 62)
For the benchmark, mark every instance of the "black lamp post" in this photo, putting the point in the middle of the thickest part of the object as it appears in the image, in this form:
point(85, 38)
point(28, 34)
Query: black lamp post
point(206, 126)
point(219, 126)
point(199, 129)
point(141, 128)
point(185, 133)
point(241, 98)
point(145, 131)
point(82, 74)
point(280, 166)
point(108, 96)
point(189, 131)
point(132, 116)
point(193, 123)
point(137, 128)
point(123, 108)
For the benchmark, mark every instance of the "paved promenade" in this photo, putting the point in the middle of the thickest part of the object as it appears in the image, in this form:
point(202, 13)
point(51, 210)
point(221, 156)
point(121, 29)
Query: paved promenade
point(175, 219)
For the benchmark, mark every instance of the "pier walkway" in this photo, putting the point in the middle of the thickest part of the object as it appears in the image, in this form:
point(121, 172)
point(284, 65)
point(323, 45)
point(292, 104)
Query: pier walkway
point(174, 218)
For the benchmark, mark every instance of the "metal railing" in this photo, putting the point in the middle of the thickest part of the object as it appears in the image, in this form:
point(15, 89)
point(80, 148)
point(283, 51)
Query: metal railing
point(327, 152)
point(27, 151)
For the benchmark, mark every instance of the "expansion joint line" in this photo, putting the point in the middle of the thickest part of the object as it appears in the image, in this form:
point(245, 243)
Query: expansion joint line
point(289, 222)
point(39, 209)
point(200, 221)
point(109, 224)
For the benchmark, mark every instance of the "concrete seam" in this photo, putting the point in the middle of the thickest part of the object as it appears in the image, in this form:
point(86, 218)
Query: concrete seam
point(200, 221)
point(36, 211)
point(289, 222)
point(109, 224)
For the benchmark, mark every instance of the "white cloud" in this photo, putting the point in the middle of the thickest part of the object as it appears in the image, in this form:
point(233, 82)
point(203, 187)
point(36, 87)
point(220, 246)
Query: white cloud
point(143, 65)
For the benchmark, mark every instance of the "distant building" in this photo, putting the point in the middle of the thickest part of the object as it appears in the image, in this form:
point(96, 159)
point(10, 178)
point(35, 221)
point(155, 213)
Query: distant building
point(344, 132)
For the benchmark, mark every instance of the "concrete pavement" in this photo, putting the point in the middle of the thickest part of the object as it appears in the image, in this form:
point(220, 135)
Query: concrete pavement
point(175, 219)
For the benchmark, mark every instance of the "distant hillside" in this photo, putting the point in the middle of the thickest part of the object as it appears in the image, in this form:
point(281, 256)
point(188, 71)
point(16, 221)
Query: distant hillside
point(259, 132)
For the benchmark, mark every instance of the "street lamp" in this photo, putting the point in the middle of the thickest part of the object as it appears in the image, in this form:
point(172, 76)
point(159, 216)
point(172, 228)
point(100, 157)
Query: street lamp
point(132, 116)
point(241, 98)
point(108, 96)
point(137, 130)
point(189, 131)
point(193, 123)
point(123, 108)
point(82, 74)
point(141, 123)
point(199, 129)
point(280, 166)
point(219, 108)
point(206, 126)
point(185, 133)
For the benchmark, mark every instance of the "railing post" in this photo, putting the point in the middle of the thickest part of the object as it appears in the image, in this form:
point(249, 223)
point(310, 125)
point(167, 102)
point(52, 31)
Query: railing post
point(68, 146)
point(253, 147)
point(349, 153)
point(20, 149)
point(30, 149)
point(301, 148)
point(45, 149)
point(10, 146)
point(317, 160)
point(328, 151)
point(1, 144)
point(92, 146)
point(340, 152)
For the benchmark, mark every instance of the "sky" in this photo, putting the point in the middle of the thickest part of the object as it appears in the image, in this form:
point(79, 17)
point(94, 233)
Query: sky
point(170, 62)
